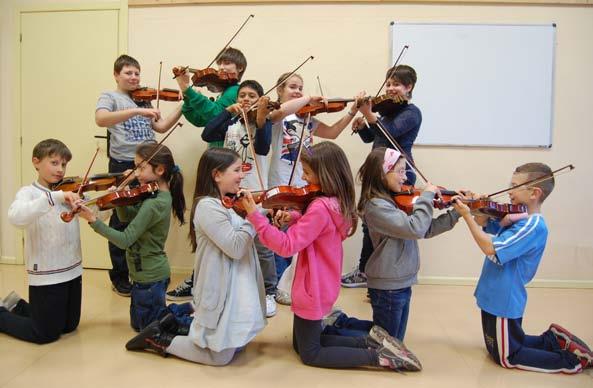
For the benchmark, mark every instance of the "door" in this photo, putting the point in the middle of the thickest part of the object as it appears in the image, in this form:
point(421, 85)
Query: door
point(66, 62)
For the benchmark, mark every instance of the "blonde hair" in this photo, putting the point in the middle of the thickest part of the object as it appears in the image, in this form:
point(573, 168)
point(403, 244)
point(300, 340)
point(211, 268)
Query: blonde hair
point(280, 88)
point(329, 162)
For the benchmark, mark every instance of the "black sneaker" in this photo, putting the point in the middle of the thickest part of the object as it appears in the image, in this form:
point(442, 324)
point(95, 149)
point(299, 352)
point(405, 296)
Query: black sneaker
point(182, 291)
point(122, 287)
point(154, 337)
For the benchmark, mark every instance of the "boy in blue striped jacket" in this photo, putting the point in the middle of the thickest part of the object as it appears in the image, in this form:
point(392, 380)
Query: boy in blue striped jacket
point(513, 254)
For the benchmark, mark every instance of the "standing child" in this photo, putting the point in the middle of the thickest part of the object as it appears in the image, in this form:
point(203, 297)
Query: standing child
point(52, 249)
point(393, 266)
point(128, 123)
point(255, 167)
point(286, 137)
point(403, 124)
point(317, 237)
point(200, 110)
point(512, 257)
point(146, 233)
point(228, 289)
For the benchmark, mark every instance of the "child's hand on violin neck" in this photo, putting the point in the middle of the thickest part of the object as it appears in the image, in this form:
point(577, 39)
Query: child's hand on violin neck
point(247, 201)
point(71, 199)
point(151, 113)
point(460, 206)
point(235, 109)
point(282, 218)
point(182, 77)
point(87, 214)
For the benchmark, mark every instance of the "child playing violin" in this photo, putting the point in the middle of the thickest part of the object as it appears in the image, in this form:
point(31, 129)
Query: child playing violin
point(146, 233)
point(393, 266)
point(513, 254)
point(317, 235)
point(128, 123)
point(286, 136)
point(228, 288)
point(52, 249)
point(403, 124)
point(200, 110)
point(234, 132)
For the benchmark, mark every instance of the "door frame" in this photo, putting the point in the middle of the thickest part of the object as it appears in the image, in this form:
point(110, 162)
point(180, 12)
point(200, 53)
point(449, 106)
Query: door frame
point(42, 6)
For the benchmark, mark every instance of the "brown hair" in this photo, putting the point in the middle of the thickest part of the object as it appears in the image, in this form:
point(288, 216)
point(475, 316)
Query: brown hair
point(172, 175)
point(124, 60)
point(538, 170)
point(50, 147)
point(280, 87)
point(235, 56)
point(329, 162)
point(213, 160)
point(404, 74)
point(372, 178)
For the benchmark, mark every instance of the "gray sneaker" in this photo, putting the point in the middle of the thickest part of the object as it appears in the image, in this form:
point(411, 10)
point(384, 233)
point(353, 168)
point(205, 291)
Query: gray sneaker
point(395, 362)
point(396, 347)
point(283, 297)
point(354, 279)
point(11, 300)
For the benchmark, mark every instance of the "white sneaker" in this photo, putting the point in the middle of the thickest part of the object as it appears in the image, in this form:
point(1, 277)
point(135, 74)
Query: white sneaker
point(11, 300)
point(270, 306)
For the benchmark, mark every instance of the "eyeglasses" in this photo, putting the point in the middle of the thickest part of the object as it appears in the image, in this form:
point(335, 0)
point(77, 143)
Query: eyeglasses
point(401, 171)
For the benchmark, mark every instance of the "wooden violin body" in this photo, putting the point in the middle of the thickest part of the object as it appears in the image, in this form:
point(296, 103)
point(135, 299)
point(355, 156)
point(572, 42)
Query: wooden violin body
point(406, 199)
point(387, 105)
point(99, 182)
point(279, 197)
point(214, 80)
point(332, 105)
point(149, 94)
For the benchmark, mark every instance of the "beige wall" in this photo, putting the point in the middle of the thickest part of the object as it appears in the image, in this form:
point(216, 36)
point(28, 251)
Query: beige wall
point(350, 43)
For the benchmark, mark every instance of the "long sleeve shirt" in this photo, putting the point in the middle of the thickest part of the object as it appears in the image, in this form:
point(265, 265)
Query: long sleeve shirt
point(52, 247)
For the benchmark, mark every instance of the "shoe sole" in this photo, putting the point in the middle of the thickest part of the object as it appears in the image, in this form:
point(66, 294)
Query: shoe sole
point(177, 298)
point(354, 285)
point(396, 347)
point(119, 292)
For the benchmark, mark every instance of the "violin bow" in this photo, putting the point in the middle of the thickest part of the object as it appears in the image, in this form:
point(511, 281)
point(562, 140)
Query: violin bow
point(84, 180)
point(158, 89)
point(399, 57)
point(252, 148)
point(544, 178)
point(298, 157)
point(225, 46)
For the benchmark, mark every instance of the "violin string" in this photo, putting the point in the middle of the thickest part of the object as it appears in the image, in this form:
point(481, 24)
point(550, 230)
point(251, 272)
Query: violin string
point(557, 172)
point(392, 69)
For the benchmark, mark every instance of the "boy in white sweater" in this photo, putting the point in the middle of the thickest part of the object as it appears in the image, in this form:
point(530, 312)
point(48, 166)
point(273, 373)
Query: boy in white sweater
point(52, 250)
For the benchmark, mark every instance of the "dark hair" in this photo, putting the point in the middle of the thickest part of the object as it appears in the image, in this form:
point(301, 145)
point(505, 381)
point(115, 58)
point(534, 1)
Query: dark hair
point(125, 60)
point(372, 179)
point(538, 170)
point(171, 175)
point(235, 56)
point(251, 84)
point(404, 74)
point(213, 160)
point(329, 162)
point(50, 147)
point(281, 86)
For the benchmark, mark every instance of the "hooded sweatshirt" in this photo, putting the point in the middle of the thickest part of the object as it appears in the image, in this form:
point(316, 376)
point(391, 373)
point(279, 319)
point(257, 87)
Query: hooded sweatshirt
point(317, 237)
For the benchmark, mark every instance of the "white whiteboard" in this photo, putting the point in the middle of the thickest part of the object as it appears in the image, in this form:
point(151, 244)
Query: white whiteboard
point(481, 84)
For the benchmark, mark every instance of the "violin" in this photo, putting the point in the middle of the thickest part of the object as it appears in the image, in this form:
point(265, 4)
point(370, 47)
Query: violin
point(149, 94)
point(279, 197)
point(214, 80)
point(99, 182)
point(387, 105)
point(118, 198)
point(252, 113)
point(332, 105)
point(406, 199)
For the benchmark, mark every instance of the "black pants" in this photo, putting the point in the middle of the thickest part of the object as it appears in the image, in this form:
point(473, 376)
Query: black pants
point(119, 271)
point(329, 351)
point(52, 310)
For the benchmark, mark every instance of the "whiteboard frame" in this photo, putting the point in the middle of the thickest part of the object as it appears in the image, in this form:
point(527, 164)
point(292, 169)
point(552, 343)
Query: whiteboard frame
point(393, 57)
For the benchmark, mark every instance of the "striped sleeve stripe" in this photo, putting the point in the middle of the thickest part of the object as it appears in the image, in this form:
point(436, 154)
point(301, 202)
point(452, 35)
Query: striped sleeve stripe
point(54, 271)
point(522, 233)
point(49, 198)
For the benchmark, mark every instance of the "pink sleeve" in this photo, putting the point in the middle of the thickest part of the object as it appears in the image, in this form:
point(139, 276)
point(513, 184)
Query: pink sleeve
point(294, 217)
point(299, 236)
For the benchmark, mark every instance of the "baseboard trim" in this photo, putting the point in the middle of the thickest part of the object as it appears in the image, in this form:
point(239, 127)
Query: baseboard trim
point(470, 281)
point(8, 260)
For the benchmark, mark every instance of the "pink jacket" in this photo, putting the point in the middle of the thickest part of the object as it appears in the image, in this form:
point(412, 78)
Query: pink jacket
point(317, 236)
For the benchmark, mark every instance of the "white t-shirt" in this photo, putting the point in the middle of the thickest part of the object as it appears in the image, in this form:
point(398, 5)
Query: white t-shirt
point(236, 139)
point(286, 136)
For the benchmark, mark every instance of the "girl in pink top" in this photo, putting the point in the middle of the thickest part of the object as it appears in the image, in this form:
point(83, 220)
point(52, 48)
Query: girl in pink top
point(317, 237)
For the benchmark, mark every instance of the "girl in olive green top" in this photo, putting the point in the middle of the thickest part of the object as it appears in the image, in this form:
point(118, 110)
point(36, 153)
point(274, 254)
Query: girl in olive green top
point(144, 237)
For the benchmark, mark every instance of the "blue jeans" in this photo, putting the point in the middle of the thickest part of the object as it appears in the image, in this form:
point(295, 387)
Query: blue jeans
point(148, 305)
point(391, 309)
point(349, 327)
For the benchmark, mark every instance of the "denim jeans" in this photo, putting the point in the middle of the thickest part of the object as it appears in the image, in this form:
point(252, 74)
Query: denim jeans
point(349, 326)
point(391, 309)
point(148, 305)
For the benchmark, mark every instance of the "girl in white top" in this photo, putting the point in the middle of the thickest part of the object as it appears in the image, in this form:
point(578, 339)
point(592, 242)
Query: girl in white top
point(228, 288)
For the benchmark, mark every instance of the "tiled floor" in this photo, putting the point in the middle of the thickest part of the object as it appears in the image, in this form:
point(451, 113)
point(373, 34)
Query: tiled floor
point(444, 331)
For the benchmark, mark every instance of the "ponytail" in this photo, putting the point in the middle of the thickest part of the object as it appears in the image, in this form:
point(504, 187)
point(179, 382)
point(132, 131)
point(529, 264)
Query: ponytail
point(176, 188)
